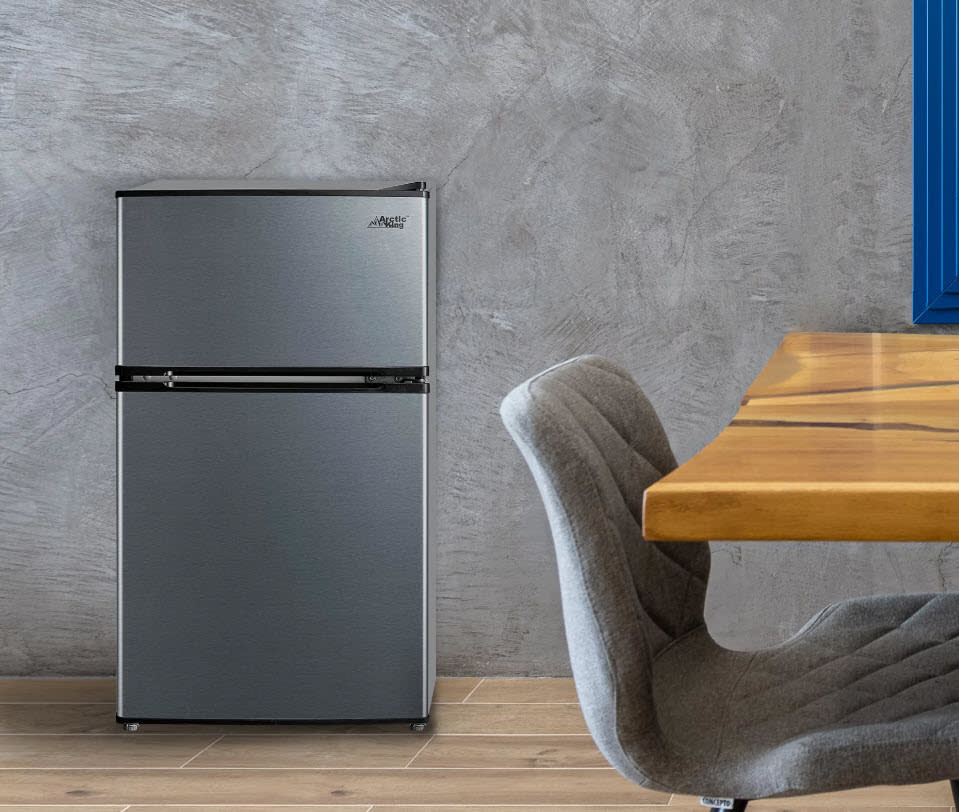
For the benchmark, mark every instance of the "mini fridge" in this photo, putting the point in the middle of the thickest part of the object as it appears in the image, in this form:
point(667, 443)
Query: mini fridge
point(275, 423)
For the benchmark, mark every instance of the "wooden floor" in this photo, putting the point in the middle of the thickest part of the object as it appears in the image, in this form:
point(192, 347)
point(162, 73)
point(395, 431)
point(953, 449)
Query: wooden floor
point(492, 744)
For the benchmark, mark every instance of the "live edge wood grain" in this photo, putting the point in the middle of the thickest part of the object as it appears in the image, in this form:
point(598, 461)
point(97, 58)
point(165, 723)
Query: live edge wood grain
point(843, 436)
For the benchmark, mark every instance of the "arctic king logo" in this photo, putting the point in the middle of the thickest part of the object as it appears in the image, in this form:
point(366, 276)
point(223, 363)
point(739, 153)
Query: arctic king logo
point(387, 222)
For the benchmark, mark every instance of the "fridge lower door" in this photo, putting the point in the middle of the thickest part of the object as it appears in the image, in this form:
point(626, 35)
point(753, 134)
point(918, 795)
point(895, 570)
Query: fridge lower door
point(272, 556)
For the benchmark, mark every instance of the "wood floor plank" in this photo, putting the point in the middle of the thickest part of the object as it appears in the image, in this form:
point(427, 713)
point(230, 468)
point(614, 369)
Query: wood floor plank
point(563, 808)
point(502, 719)
point(35, 717)
point(402, 786)
point(937, 795)
point(101, 718)
point(781, 806)
point(312, 750)
point(928, 795)
point(60, 808)
point(510, 751)
point(451, 718)
point(454, 689)
point(543, 689)
point(141, 750)
point(788, 805)
point(75, 718)
point(58, 689)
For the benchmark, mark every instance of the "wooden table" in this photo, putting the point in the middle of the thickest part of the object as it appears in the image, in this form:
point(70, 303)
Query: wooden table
point(843, 436)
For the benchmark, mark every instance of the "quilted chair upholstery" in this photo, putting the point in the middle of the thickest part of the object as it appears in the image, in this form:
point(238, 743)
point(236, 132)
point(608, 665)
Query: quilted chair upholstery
point(867, 692)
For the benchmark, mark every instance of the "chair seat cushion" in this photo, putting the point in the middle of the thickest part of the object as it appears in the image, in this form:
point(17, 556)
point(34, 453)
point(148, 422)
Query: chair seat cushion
point(867, 692)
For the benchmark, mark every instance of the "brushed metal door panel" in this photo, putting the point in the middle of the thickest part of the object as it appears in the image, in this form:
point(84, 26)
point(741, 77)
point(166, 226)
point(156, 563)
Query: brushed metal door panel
point(272, 280)
point(272, 555)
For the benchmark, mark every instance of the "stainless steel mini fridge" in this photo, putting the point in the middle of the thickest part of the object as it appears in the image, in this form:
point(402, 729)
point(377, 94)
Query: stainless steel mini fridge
point(275, 422)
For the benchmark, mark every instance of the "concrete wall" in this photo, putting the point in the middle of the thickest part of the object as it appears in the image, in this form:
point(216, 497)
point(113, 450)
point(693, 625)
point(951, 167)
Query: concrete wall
point(672, 184)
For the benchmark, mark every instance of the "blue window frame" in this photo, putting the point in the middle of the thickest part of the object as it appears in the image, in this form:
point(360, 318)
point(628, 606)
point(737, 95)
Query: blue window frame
point(935, 252)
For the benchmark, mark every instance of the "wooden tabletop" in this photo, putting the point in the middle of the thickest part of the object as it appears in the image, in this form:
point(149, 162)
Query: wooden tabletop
point(843, 436)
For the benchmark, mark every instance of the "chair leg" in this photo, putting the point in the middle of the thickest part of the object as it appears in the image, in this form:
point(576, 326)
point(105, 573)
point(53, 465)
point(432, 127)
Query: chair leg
point(955, 791)
point(739, 805)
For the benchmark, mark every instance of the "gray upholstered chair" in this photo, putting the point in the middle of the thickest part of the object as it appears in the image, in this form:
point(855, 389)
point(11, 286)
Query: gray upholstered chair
point(867, 692)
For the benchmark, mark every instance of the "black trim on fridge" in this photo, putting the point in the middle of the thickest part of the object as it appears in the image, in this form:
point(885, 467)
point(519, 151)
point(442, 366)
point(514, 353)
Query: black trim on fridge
point(415, 189)
point(125, 372)
point(269, 386)
point(162, 721)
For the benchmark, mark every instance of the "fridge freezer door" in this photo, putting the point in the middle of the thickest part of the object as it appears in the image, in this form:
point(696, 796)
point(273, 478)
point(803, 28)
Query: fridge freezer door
point(220, 280)
point(272, 556)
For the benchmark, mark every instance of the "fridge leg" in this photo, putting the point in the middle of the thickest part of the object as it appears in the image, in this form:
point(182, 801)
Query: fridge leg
point(132, 727)
point(419, 727)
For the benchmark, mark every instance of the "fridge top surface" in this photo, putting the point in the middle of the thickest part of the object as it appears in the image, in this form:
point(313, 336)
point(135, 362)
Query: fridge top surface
point(277, 186)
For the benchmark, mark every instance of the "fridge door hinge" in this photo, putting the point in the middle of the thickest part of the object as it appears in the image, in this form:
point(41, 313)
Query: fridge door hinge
point(166, 378)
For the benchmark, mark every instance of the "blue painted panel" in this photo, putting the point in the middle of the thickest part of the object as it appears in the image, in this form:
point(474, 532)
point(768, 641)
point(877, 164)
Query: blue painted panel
point(934, 148)
point(935, 162)
point(939, 313)
point(920, 299)
point(948, 273)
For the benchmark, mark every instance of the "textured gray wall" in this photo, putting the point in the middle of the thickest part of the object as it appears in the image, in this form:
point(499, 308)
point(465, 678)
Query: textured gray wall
point(672, 184)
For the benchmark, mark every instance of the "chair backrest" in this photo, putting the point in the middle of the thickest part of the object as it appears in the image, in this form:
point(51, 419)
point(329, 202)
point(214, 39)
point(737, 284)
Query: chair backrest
point(594, 444)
